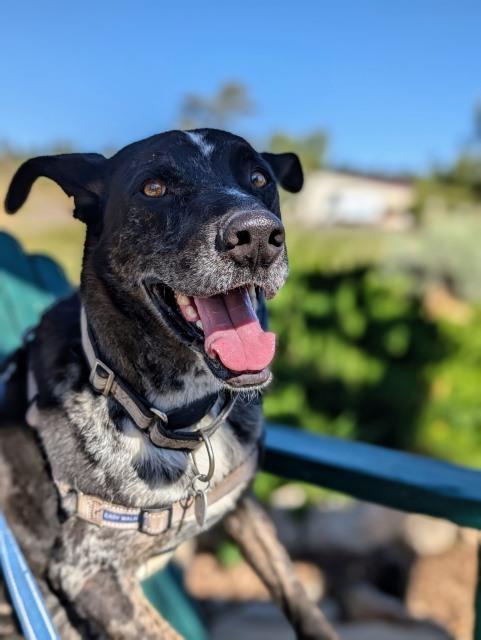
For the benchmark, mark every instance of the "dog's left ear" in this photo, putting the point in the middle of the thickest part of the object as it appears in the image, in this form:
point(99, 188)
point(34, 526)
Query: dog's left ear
point(80, 175)
point(287, 170)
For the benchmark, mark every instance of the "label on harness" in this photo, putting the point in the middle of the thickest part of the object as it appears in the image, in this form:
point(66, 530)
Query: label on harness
point(112, 516)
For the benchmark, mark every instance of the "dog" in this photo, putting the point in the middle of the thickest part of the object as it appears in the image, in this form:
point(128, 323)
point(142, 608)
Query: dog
point(144, 421)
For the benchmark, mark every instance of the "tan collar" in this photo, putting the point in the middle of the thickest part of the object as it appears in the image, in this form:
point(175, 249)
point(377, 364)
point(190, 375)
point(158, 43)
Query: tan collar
point(148, 419)
point(157, 521)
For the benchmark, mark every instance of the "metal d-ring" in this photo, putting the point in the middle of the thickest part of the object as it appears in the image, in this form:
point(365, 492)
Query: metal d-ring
point(205, 477)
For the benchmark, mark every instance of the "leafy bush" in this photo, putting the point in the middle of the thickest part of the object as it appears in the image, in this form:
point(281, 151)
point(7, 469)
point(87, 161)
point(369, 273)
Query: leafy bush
point(353, 348)
point(449, 425)
point(359, 357)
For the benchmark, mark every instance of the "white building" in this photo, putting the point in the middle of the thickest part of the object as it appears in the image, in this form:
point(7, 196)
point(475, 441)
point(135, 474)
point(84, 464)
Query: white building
point(348, 198)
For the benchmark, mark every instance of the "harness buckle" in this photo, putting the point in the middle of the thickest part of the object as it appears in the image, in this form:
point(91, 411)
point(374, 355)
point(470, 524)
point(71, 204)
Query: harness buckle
point(160, 414)
point(148, 525)
point(101, 377)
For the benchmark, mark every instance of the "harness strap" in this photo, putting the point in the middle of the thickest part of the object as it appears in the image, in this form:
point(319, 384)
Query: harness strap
point(158, 520)
point(147, 418)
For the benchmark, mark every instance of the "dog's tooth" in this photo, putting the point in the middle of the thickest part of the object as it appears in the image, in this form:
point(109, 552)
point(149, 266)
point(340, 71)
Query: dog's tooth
point(182, 299)
point(190, 312)
point(253, 296)
point(199, 325)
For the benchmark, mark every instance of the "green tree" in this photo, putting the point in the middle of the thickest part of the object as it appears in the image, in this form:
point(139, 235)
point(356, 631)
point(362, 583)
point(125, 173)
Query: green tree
point(459, 184)
point(310, 148)
point(230, 102)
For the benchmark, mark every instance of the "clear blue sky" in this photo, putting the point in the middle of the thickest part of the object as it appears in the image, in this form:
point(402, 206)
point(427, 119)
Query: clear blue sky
point(393, 83)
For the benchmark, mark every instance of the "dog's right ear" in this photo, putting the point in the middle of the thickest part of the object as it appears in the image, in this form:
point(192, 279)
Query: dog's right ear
point(80, 175)
point(287, 169)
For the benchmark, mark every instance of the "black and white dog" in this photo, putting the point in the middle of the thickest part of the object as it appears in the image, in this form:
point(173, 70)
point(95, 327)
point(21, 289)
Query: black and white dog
point(144, 418)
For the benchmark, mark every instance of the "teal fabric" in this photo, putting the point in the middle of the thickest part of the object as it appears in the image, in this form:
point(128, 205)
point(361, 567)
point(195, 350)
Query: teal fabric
point(166, 593)
point(28, 286)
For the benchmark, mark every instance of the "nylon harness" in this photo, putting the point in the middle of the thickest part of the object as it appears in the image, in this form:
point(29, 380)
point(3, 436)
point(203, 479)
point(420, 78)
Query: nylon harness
point(152, 422)
point(147, 418)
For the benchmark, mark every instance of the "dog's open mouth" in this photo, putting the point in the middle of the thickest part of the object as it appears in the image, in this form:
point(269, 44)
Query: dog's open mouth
point(225, 327)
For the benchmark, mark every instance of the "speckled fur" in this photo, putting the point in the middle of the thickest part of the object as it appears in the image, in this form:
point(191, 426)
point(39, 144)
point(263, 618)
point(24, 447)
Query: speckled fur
point(86, 441)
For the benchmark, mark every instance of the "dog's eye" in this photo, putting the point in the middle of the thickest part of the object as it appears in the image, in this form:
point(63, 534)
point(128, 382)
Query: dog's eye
point(154, 188)
point(258, 179)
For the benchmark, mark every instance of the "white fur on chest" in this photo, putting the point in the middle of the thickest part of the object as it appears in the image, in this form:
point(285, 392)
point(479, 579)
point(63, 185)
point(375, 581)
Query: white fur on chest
point(228, 453)
point(119, 451)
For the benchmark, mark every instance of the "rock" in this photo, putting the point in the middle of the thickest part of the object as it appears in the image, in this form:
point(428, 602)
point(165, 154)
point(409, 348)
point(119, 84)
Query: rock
point(363, 601)
point(264, 621)
point(253, 620)
point(429, 536)
point(389, 631)
point(357, 529)
point(207, 579)
point(289, 496)
point(442, 588)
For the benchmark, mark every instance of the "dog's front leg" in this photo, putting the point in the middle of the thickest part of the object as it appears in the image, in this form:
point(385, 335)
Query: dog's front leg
point(250, 527)
point(112, 605)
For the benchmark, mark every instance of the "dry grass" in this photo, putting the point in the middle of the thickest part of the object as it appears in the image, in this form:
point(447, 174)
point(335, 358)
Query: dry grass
point(45, 224)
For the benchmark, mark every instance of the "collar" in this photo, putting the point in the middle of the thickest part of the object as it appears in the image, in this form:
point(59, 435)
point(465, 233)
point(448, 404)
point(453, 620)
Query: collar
point(173, 517)
point(151, 420)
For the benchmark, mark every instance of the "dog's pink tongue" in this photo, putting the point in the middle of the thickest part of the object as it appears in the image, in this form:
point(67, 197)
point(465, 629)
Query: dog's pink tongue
point(233, 333)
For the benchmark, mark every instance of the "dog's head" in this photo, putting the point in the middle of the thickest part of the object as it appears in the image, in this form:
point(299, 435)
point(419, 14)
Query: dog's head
point(185, 227)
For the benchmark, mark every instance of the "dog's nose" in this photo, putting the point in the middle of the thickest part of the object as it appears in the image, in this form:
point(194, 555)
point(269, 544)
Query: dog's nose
point(253, 238)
